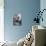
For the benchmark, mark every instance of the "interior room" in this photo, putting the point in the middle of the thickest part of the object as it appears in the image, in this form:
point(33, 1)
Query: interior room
point(22, 22)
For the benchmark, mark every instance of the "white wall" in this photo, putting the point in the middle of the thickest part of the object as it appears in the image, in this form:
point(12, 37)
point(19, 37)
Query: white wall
point(1, 20)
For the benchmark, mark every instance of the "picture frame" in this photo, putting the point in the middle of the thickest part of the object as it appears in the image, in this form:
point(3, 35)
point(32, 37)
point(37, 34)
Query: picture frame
point(17, 20)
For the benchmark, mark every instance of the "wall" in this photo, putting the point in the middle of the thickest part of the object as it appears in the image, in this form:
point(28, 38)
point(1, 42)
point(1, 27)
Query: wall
point(27, 8)
point(43, 6)
point(1, 20)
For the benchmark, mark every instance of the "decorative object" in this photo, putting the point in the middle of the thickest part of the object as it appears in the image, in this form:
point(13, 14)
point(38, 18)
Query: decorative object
point(39, 16)
point(17, 20)
point(26, 41)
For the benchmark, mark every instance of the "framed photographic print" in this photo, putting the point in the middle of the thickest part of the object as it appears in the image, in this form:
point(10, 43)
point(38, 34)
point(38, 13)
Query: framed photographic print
point(17, 20)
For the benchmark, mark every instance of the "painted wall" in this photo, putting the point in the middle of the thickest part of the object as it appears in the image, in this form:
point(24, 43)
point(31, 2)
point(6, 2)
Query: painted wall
point(27, 8)
point(43, 6)
point(1, 20)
